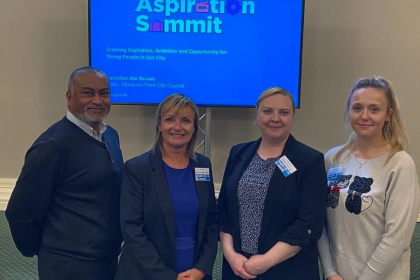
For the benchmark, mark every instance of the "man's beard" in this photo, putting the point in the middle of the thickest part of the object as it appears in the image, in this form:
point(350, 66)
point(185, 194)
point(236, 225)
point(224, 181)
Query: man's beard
point(91, 121)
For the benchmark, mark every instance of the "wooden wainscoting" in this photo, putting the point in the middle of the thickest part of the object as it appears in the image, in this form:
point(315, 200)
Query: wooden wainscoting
point(6, 188)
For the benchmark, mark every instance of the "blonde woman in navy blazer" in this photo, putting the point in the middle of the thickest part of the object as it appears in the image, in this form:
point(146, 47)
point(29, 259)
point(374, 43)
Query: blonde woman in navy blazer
point(270, 220)
point(156, 211)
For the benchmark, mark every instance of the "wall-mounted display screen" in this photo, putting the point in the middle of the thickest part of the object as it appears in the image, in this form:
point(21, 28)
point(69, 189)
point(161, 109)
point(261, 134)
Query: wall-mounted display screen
point(219, 52)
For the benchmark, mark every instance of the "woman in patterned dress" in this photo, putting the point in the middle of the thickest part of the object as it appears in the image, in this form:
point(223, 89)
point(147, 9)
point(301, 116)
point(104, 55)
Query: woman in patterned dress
point(272, 200)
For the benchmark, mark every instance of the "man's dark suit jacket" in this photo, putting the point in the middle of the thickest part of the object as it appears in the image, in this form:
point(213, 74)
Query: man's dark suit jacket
point(148, 226)
point(294, 209)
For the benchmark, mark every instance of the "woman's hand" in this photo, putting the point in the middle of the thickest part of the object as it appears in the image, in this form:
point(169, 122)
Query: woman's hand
point(191, 274)
point(256, 265)
point(335, 277)
point(236, 262)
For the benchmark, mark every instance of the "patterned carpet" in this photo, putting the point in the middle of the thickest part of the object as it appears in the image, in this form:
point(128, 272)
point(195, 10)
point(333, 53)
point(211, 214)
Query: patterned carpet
point(13, 266)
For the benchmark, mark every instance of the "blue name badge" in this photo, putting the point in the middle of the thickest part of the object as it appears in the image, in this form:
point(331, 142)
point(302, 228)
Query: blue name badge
point(335, 173)
point(285, 166)
point(202, 174)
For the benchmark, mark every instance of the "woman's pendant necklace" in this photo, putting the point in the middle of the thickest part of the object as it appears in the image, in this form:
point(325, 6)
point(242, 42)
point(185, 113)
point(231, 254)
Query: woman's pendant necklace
point(361, 163)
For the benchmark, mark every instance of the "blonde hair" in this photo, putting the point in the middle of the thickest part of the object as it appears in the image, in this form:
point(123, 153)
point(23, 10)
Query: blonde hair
point(393, 130)
point(272, 91)
point(179, 102)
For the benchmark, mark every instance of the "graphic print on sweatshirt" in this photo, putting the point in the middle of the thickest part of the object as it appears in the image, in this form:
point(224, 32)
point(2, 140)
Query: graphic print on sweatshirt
point(334, 187)
point(356, 202)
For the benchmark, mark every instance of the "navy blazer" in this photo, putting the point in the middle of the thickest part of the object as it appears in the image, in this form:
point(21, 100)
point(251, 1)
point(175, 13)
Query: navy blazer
point(294, 209)
point(148, 221)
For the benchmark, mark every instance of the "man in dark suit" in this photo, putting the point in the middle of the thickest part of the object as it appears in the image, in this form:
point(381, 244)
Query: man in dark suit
point(65, 206)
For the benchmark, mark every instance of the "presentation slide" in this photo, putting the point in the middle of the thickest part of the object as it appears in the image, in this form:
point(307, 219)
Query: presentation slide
point(218, 52)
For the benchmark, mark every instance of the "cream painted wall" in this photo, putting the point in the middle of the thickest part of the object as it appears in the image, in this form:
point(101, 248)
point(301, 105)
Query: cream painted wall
point(41, 42)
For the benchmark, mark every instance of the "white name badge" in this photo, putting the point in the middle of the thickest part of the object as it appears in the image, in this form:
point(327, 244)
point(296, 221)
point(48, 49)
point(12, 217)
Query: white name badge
point(202, 174)
point(285, 166)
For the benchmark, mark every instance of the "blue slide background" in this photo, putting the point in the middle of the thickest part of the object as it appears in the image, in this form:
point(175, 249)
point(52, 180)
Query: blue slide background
point(262, 50)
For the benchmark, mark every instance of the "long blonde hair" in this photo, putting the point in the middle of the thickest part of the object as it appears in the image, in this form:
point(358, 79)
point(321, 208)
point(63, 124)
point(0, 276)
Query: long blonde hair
point(393, 130)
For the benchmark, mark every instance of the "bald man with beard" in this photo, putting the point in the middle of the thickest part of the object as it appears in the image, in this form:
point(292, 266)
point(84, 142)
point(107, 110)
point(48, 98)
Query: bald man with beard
point(65, 206)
